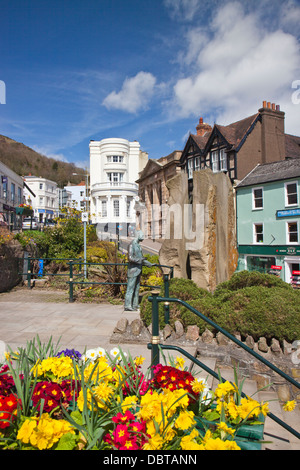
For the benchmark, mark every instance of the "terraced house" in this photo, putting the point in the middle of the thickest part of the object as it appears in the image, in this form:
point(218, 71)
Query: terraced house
point(268, 220)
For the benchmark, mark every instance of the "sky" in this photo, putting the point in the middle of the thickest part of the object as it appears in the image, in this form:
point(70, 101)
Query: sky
point(81, 70)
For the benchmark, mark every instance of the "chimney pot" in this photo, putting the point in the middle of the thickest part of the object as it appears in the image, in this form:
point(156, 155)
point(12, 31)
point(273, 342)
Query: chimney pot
point(201, 120)
point(264, 104)
point(273, 106)
point(277, 107)
point(269, 105)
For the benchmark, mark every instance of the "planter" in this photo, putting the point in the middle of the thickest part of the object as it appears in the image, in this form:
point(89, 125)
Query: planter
point(248, 437)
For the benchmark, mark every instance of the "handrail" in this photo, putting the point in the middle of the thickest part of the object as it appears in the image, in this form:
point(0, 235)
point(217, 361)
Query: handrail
point(155, 346)
point(71, 282)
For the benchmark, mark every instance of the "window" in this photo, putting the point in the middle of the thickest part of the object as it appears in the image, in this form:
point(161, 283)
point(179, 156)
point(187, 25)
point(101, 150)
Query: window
point(116, 208)
point(223, 160)
point(104, 208)
point(197, 163)
point(190, 168)
point(13, 192)
point(41, 200)
point(115, 178)
point(260, 263)
point(214, 161)
point(291, 194)
point(292, 232)
point(115, 158)
point(19, 195)
point(258, 233)
point(41, 185)
point(257, 201)
point(128, 207)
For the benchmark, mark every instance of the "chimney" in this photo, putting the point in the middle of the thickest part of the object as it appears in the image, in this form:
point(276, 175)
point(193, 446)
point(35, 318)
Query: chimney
point(202, 128)
point(272, 133)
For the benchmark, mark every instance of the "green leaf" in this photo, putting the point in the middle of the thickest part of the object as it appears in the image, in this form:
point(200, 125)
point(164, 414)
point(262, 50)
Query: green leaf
point(77, 417)
point(67, 442)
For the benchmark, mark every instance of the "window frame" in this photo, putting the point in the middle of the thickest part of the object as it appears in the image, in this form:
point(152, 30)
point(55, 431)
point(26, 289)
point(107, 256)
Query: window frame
point(254, 208)
point(255, 233)
point(215, 162)
point(288, 233)
point(287, 204)
point(222, 160)
point(116, 208)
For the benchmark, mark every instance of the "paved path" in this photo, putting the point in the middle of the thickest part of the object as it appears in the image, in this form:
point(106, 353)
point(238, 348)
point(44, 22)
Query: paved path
point(26, 313)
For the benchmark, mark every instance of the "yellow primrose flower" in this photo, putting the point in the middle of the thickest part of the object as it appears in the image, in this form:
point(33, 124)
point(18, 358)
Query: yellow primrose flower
point(225, 429)
point(224, 389)
point(139, 360)
point(129, 402)
point(188, 442)
point(289, 405)
point(218, 444)
point(185, 420)
point(248, 408)
point(154, 443)
point(179, 362)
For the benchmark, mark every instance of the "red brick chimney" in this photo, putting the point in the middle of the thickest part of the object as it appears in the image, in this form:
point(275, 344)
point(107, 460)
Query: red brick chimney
point(203, 128)
point(272, 133)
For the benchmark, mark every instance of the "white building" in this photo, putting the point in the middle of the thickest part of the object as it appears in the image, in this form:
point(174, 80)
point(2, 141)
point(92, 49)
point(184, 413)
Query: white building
point(79, 199)
point(46, 201)
point(11, 196)
point(114, 167)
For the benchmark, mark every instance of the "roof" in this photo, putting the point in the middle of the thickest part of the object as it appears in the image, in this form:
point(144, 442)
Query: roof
point(292, 146)
point(235, 133)
point(269, 172)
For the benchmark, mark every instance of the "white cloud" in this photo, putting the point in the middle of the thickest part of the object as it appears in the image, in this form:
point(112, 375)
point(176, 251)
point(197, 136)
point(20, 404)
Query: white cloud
point(135, 94)
point(182, 9)
point(237, 64)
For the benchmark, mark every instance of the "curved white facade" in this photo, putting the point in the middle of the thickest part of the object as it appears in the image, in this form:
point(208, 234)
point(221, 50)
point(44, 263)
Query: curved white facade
point(114, 167)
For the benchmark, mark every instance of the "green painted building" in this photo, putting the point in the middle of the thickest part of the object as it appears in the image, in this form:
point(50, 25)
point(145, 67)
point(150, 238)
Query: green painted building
point(268, 220)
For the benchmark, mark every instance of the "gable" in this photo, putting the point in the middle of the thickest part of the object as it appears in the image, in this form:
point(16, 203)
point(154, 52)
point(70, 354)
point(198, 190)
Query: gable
point(152, 166)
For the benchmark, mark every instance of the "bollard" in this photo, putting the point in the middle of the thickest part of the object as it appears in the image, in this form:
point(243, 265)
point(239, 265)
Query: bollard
point(166, 304)
point(155, 330)
point(71, 299)
point(29, 273)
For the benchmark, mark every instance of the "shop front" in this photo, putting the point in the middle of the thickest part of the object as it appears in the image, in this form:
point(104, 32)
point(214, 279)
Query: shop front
point(280, 260)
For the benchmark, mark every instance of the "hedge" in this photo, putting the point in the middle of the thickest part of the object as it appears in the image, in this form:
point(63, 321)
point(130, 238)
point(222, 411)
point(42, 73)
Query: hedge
point(250, 303)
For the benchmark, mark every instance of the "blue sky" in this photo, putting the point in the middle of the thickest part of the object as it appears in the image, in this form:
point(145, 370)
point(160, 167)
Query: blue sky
point(142, 70)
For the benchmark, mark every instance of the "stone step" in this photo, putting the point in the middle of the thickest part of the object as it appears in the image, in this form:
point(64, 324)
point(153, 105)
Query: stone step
point(276, 437)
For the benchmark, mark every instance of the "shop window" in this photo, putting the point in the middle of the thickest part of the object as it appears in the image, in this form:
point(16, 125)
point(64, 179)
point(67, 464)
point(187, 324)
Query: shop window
point(261, 264)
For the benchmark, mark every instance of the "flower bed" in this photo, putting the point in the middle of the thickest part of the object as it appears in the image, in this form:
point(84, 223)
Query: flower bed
point(102, 400)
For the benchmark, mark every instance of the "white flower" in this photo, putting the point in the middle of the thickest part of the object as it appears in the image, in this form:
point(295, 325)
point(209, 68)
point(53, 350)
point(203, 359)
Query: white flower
point(116, 354)
point(93, 354)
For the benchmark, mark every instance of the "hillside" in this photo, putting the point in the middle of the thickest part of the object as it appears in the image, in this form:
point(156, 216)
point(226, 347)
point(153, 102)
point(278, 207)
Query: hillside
point(24, 161)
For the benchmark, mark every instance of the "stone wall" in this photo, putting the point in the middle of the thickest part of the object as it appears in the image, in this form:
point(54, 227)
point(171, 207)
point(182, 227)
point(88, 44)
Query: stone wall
point(285, 356)
point(10, 265)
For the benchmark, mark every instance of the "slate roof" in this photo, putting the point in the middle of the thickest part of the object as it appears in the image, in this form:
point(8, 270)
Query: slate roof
point(269, 172)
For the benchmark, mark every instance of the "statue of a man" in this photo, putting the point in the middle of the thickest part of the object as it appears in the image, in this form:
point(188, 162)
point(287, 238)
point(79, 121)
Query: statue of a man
point(136, 261)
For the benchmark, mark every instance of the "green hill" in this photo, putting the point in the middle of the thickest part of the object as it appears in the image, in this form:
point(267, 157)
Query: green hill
point(24, 161)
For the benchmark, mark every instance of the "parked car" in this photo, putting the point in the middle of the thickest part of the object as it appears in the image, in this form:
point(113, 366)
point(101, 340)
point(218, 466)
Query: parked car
point(30, 224)
point(50, 223)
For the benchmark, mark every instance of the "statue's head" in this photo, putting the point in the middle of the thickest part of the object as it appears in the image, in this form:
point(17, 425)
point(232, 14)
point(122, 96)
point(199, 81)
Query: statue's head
point(139, 235)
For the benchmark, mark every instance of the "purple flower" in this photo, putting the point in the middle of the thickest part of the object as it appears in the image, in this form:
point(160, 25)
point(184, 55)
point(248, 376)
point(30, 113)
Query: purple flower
point(70, 353)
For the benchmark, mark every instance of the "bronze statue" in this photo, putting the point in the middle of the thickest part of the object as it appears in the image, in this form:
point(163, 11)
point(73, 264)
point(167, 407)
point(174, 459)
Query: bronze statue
point(136, 261)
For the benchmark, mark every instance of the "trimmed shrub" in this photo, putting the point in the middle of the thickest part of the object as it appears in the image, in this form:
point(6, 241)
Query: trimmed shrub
point(250, 303)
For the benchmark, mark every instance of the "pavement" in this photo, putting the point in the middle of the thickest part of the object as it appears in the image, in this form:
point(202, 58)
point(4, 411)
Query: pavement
point(26, 313)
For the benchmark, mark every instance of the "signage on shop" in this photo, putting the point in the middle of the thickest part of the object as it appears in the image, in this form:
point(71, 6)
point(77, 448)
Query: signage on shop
point(277, 268)
point(288, 213)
